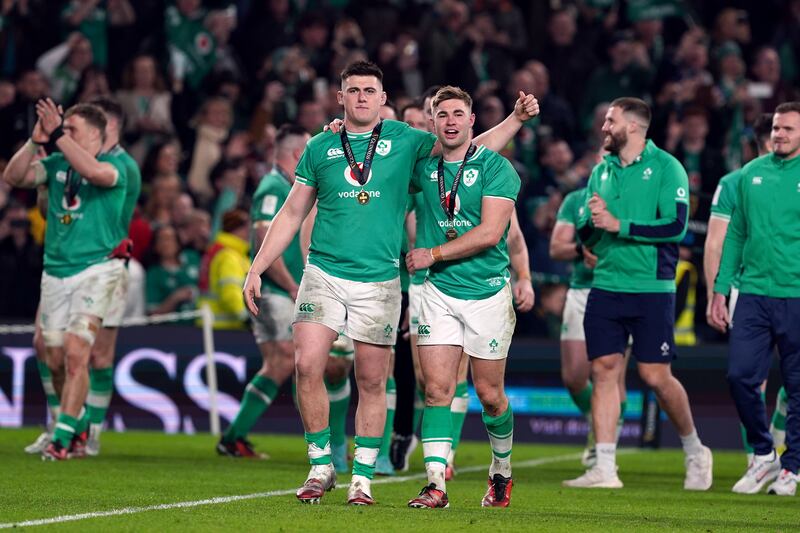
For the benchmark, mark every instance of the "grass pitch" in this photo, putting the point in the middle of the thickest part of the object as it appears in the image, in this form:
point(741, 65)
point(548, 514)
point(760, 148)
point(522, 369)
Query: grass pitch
point(140, 470)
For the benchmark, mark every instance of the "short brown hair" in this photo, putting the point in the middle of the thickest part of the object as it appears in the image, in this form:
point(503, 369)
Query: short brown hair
point(234, 219)
point(788, 107)
point(635, 106)
point(362, 68)
point(448, 92)
point(92, 114)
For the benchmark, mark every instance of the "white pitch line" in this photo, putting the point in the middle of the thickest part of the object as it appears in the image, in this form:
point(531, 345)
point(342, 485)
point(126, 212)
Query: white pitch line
point(228, 499)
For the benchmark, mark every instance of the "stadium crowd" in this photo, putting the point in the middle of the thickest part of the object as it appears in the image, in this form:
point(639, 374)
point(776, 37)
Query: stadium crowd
point(205, 85)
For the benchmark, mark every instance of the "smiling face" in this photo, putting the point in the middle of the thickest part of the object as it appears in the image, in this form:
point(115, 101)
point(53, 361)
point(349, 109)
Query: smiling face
point(615, 135)
point(452, 122)
point(362, 98)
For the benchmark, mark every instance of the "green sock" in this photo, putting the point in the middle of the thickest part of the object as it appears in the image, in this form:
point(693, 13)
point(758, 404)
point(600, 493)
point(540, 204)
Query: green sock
point(65, 429)
point(101, 387)
point(47, 384)
point(779, 416)
point(778, 425)
point(319, 447)
point(366, 454)
point(258, 395)
point(501, 436)
point(391, 403)
point(437, 434)
point(83, 421)
point(339, 399)
point(458, 412)
point(583, 399)
point(419, 408)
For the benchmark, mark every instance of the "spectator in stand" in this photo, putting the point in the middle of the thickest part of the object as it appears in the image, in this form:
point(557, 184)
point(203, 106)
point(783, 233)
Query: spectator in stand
point(194, 236)
point(164, 191)
point(17, 119)
point(63, 66)
point(146, 103)
point(212, 128)
point(627, 73)
point(20, 266)
point(192, 48)
point(171, 285)
point(93, 83)
point(93, 19)
point(687, 140)
point(569, 58)
point(163, 159)
point(768, 86)
point(311, 116)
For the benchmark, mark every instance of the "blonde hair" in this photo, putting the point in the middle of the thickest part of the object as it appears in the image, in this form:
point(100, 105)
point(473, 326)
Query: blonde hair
point(448, 92)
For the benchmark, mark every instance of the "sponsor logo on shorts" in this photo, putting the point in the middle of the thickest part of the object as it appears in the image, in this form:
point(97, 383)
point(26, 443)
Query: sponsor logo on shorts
point(384, 147)
point(665, 349)
point(424, 330)
point(387, 331)
point(306, 307)
point(88, 300)
point(493, 346)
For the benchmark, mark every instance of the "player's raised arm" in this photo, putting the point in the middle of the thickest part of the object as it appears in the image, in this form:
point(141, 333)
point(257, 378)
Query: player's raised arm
point(23, 171)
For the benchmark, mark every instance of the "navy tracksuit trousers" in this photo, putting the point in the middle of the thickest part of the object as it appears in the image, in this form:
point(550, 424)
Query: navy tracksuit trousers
point(759, 324)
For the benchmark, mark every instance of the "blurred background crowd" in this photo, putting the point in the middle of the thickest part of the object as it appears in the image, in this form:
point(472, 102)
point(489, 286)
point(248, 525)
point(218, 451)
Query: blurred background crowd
point(206, 83)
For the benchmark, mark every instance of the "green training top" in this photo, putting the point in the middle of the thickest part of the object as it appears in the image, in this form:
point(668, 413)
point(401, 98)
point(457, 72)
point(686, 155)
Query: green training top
point(762, 240)
point(84, 232)
point(268, 199)
point(650, 197)
point(133, 188)
point(569, 213)
point(350, 240)
point(724, 202)
point(486, 174)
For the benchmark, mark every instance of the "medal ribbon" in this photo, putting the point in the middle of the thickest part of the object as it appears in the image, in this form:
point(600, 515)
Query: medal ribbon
point(450, 208)
point(361, 174)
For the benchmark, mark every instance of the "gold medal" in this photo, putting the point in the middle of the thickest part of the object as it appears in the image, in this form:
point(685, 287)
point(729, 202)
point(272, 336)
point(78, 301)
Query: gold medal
point(451, 234)
point(66, 219)
point(363, 197)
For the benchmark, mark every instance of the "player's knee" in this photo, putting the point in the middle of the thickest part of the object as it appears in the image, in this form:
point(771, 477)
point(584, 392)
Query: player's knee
point(573, 382)
point(741, 376)
point(656, 376)
point(439, 393)
point(492, 397)
point(605, 368)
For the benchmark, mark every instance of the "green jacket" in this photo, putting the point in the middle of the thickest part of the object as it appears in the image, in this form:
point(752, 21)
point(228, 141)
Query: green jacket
point(763, 239)
point(650, 197)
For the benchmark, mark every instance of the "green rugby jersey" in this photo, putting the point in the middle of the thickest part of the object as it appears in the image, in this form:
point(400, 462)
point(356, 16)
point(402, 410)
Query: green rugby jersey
point(762, 240)
point(189, 36)
point(353, 241)
point(162, 281)
point(84, 233)
point(569, 213)
point(724, 202)
point(133, 188)
point(486, 174)
point(650, 197)
point(416, 205)
point(268, 199)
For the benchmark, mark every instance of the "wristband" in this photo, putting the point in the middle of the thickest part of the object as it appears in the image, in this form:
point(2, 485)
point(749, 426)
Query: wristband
point(32, 146)
point(579, 249)
point(57, 134)
point(436, 254)
point(524, 275)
